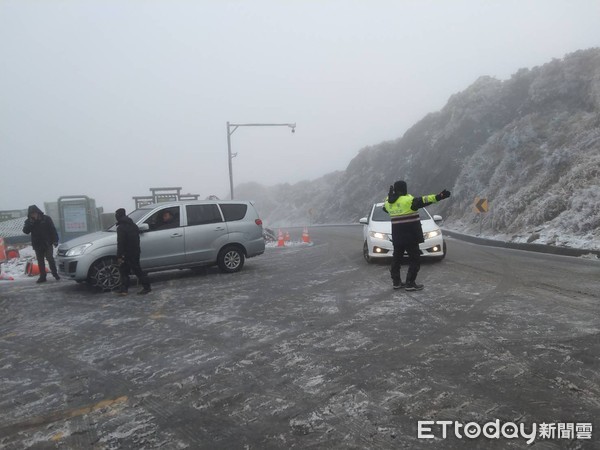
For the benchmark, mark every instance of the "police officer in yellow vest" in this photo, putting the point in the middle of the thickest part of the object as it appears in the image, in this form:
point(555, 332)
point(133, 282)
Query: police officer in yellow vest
point(407, 233)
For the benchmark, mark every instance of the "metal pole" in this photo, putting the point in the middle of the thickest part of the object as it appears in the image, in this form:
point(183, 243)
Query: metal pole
point(230, 162)
point(235, 127)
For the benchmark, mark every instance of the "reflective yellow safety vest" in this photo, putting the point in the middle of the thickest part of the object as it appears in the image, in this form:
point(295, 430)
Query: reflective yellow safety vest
point(401, 211)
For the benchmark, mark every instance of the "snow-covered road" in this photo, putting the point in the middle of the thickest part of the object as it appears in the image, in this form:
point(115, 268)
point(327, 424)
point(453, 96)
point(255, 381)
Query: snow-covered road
point(307, 347)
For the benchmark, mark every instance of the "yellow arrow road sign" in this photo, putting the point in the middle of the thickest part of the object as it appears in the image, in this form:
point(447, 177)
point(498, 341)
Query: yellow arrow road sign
point(480, 205)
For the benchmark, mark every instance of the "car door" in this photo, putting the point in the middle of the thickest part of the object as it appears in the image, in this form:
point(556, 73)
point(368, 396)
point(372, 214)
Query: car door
point(205, 234)
point(163, 245)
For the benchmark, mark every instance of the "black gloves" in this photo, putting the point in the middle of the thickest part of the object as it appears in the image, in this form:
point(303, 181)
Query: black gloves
point(442, 195)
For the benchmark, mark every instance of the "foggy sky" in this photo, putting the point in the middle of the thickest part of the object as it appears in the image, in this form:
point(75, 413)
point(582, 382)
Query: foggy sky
point(109, 98)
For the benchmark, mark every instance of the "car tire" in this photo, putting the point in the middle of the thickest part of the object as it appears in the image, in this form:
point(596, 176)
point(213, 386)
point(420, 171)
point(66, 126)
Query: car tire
point(231, 259)
point(366, 253)
point(104, 274)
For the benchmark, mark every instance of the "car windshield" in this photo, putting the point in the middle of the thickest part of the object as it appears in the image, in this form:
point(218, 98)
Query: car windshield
point(379, 215)
point(135, 216)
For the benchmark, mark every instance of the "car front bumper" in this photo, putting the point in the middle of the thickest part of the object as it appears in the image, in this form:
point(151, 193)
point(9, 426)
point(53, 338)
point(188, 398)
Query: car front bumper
point(383, 248)
point(74, 267)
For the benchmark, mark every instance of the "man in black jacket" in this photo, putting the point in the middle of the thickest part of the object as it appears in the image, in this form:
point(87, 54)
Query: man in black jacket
point(128, 252)
point(43, 237)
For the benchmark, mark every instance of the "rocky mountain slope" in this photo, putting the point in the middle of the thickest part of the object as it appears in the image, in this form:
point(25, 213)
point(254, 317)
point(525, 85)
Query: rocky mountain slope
point(529, 144)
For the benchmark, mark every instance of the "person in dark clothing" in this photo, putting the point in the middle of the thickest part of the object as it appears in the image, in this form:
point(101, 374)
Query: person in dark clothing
point(167, 221)
point(407, 233)
point(43, 237)
point(128, 252)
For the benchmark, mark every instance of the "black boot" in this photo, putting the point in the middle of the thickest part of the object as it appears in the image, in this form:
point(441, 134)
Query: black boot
point(398, 284)
point(396, 279)
point(122, 290)
point(413, 286)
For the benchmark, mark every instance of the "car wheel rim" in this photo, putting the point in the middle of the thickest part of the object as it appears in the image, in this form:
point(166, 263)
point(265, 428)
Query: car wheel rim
point(107, 276)
point(232, 260)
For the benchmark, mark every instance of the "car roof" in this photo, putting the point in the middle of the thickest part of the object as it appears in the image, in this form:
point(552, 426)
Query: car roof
point(196, 202)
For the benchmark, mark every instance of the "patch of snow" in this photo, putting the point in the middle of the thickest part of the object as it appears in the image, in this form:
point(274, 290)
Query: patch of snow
point(15, 267)
point(290, 244)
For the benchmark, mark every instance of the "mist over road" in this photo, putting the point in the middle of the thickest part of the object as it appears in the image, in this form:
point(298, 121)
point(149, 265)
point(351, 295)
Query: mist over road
point(307, 347)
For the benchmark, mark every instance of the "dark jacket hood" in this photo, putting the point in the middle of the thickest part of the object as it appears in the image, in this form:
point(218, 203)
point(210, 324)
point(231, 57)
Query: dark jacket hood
point(34, 209)
point(400, 187)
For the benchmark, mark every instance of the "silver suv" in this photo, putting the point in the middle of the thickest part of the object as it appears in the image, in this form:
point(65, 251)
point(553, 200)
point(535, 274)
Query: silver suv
point(198, 233)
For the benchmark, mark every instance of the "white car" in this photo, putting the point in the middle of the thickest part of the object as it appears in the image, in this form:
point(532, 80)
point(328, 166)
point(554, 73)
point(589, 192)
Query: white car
point(377, 235)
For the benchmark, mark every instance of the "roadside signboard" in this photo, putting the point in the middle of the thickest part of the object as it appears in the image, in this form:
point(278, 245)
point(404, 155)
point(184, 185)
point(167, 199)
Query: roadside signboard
point(480, 205)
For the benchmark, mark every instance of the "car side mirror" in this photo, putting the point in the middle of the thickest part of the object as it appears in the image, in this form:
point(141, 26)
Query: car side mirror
point(144, 227)
point(364, 221)
point(438, 219)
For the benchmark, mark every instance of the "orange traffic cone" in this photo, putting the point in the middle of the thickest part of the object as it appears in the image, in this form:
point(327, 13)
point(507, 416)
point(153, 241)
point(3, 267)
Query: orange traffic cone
point(280, 241)
point(33, 269)
point(2, 250)
point(287, 236)
point(305, 236)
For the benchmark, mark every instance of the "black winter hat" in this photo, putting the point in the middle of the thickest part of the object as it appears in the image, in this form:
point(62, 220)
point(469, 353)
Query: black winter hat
point(400, 187)
point(120, 213)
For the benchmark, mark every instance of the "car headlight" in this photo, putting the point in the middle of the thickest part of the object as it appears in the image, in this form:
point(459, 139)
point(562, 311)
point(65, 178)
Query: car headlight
point(79, 250)
point(378, 235)
point(431, 234)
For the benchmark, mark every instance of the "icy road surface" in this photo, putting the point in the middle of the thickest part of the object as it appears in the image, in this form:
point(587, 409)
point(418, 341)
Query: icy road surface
point(307, 347)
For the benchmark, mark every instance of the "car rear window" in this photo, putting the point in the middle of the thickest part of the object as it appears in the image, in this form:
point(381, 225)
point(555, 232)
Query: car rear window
point(202, 214)
point(233, 211)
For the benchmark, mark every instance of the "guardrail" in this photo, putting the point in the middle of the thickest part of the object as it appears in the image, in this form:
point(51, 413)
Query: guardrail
point(540, 248)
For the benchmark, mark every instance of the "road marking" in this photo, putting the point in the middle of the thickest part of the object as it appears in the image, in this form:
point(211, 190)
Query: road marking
point(96, 407)
point(63, 415)
point(9, 335)
point(57, 437)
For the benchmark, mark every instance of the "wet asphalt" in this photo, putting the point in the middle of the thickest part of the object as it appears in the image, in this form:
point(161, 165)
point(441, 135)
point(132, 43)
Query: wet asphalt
point(307, 347)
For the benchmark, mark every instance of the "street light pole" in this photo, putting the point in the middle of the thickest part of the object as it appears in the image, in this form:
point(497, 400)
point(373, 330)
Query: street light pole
point(231, 127)
point(230, 157)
